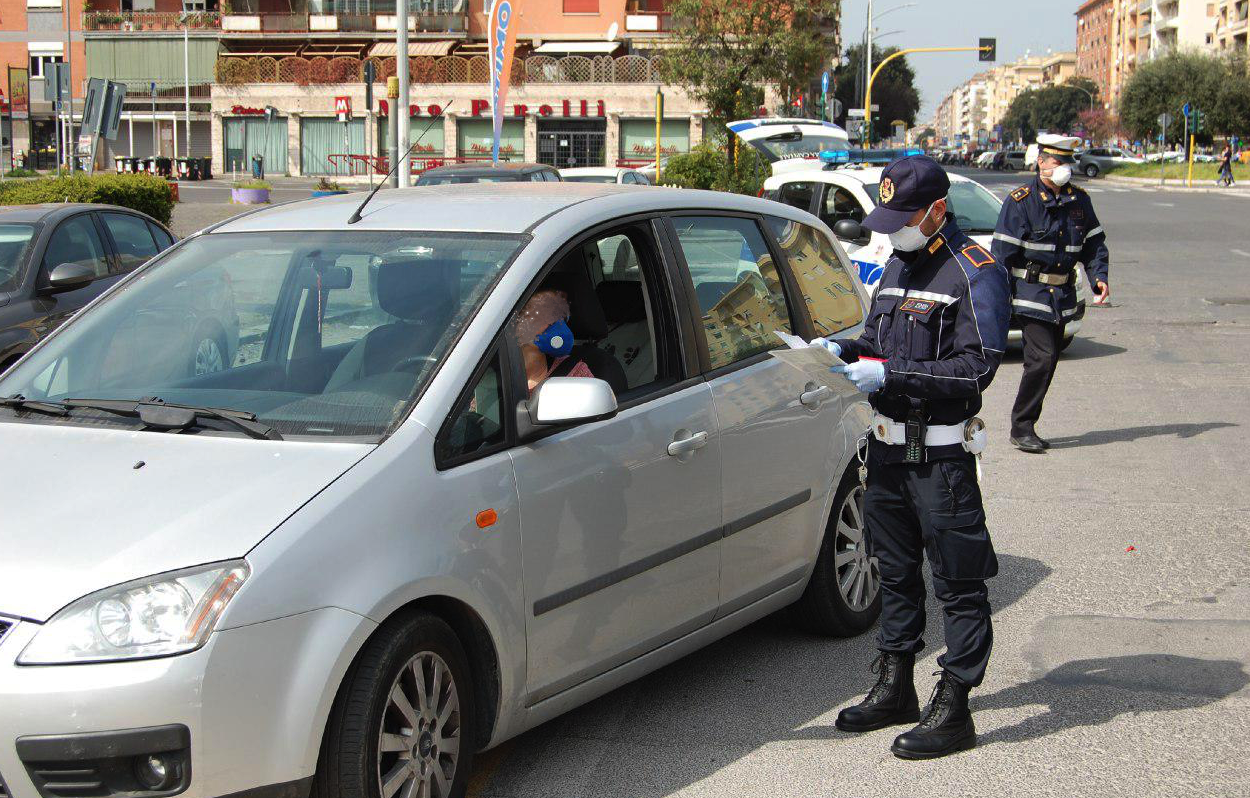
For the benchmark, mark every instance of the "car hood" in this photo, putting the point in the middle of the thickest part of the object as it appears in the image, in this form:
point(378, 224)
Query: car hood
point(81, 513)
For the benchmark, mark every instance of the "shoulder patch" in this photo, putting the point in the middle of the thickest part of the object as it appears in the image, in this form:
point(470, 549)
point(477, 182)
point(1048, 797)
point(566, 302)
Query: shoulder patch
point(937, 244)
point(977, 256)
point(1020, 193)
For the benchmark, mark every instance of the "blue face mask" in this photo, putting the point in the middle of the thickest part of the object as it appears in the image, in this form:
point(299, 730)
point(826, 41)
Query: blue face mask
point(556, 340)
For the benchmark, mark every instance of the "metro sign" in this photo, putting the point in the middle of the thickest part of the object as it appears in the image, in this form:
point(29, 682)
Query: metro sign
point(343, 108)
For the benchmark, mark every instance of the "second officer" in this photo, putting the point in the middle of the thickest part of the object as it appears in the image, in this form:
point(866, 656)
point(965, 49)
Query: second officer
point(930, 347)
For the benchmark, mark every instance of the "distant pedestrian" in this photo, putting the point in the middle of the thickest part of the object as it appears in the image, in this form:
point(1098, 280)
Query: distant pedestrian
point(1226, 166)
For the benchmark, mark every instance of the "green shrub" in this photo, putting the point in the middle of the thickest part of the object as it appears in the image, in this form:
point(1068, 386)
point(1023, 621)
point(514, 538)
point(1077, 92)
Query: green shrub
point(145, 193)
point(252, 184)
point(19, 172)
point(707, 166)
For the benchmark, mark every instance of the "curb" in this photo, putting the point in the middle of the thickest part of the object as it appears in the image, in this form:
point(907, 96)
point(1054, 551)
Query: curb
point(1169, 184)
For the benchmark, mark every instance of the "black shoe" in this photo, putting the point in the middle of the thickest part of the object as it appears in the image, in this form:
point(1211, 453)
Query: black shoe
point(892, 700)
point(946, 727)
point(1029, 442)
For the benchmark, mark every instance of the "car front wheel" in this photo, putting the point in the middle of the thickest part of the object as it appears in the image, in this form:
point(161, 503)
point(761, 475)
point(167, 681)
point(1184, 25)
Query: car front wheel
point(1091, 170)
point(843, 597)
point(402, 725)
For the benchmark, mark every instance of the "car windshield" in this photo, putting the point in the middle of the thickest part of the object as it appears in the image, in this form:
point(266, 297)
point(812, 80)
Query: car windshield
point(975, 208)
point(446, 180)
point(786, 144)
point(589, 178)
point(14, 239)
point(325, 334)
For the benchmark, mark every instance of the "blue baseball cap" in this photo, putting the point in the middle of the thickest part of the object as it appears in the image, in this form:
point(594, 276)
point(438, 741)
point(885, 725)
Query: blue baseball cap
point(907, 185)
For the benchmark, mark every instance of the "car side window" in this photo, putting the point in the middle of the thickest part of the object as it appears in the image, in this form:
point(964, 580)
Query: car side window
point(163, 240)
point(477, 422)
point(76, 241)
point(736, 285)
point(132, 237)
point(822, 275)
point(840, 204)
point(798, 195)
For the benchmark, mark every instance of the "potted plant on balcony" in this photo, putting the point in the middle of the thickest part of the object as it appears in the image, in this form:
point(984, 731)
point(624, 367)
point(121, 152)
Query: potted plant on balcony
point(327, 188)
point(250, 192)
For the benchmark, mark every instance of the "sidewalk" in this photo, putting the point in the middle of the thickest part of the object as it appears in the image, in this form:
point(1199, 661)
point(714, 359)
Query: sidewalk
point(1174, 184)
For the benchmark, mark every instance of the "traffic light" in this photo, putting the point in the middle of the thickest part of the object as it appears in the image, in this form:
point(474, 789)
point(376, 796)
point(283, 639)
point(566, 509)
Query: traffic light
point(990, 54)
point(1199, 121)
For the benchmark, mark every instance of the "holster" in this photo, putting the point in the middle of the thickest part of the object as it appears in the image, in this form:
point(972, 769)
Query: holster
point(1034, 269)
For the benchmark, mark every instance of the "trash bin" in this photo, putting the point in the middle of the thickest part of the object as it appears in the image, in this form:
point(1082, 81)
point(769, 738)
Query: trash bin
point(119, 163)
point(193, 169)
point(184, 168)
point(258, 167)
point(206, 168)
point(133, 165)
point(147, 165)
point(165, 167)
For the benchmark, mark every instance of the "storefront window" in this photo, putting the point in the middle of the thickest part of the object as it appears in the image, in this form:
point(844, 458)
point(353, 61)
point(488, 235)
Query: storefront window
point(431, 144)
point(254, 135)
point(638, 138)
point(325, 142)
point(475, 136)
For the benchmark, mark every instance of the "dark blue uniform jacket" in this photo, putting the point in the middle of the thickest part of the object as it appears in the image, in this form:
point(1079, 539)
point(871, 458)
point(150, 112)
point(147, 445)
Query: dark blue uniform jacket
point(939, 320)
point(1053, 232)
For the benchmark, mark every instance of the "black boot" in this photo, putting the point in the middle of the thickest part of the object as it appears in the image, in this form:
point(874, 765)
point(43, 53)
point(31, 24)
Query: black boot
point(946, 727)
point(891, 700)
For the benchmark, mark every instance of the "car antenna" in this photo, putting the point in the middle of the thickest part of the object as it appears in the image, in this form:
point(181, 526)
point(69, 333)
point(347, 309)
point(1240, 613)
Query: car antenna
point(355, 217)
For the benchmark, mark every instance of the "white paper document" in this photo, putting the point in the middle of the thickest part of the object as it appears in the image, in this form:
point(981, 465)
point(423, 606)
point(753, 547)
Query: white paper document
point(814, 362)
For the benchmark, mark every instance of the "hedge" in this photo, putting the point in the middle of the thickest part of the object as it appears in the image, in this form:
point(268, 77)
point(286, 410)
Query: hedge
point(707, 166)
point(145, 193)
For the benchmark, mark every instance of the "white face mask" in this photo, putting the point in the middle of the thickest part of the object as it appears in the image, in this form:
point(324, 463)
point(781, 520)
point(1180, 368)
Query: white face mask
point(1061, 174)
point(910, 239)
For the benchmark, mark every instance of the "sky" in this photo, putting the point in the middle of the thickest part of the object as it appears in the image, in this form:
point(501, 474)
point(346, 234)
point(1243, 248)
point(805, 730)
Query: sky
point(1021, 26)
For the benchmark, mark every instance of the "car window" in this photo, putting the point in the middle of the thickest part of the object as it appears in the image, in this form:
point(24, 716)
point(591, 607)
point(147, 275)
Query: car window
point(477, 421)
point(134, 242)
point(163, 239)
point(76, 241)
point(798, 195)
point(827, 286)
point(840, 204)
point(14, 243)
point(736, 285)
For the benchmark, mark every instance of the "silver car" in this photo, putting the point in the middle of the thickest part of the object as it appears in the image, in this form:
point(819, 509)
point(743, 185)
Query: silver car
point(375, 544)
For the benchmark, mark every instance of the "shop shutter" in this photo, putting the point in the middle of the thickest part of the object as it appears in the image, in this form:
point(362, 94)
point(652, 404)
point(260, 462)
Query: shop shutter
point(321, 137)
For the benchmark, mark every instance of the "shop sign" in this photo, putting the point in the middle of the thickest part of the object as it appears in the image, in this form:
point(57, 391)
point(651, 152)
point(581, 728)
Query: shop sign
point(433, 109)
point(19, 92)
point(583, 108)
point(343, 108)
point(243, 110)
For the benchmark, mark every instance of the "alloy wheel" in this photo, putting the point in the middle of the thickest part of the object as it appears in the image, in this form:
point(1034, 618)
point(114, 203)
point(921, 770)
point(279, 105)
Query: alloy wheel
point(208, 357)
point(859, 577)
point(419, 738)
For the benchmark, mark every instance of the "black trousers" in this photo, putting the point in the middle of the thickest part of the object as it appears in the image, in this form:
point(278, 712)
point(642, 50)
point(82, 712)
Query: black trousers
point(932, 509)
point(1043, 341)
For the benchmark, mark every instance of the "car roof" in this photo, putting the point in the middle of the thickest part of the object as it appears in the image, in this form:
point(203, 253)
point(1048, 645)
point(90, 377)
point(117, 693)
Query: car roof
point(485, 207)
point(44, 211)
point(595, 170)
point(861, 174)
point(469, 169)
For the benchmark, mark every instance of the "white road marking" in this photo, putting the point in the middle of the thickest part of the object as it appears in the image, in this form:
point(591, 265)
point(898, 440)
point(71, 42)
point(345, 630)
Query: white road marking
point(1240, 252)
point(1120, 190)
point(1093, 191)
point(1164, 204)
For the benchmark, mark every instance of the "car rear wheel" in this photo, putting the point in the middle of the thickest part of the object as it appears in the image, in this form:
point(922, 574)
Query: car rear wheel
point(1091, 170)
point(209, 354)
point(402, 725)
point(843, 597)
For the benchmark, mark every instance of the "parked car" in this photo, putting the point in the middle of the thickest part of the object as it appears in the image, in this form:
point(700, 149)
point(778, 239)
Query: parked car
point(604, 174)
point(1013, 161)
point(55, 258)
point(986, 159)
point(790, 143)
point(1097, 160)
point(315, 557)
point(841, 197)
point(486, 172)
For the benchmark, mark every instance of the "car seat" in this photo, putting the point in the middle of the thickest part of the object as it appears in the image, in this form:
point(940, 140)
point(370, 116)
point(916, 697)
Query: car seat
point(587, 321)
point(629, 339)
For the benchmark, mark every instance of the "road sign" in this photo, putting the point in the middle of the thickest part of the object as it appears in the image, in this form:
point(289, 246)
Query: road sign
point(56, 74)
point(1165, 119)
point(1186, 109)
point(824, 81)
point(860, 111)
point(835, 108)
point(370, 76)
point(988, 49)
point(343, 108)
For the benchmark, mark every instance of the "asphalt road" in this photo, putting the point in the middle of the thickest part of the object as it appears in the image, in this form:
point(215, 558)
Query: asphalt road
point(1122, 610)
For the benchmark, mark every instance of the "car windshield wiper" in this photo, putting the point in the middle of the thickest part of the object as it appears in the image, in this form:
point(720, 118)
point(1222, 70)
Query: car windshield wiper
point(19, 402)
point(158, 414)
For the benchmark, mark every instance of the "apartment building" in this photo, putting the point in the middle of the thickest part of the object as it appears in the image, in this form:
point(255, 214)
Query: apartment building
point(583, 90)
point(1230, 27)
point(1094, 38)
point(981, 102)
point(32, 36)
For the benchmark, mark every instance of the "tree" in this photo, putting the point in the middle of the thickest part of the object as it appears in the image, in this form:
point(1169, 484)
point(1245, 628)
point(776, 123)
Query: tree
point(1055, 109)
point(726, 53)
point(1100, 124)
point(894, 90)
point(1216, 85)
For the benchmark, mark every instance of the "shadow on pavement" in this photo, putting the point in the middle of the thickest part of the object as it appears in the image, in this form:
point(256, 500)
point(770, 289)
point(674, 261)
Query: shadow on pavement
point(681, 724)
point(1090, 692)
point(1080, 349)
point(1103, 436)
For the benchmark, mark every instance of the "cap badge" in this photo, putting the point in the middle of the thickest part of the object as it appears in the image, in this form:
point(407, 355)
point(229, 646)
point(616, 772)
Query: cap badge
point(886, 191)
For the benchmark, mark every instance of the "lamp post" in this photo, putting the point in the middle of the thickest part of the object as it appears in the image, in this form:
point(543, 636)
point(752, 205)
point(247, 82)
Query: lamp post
point(185, 19)
point(1089, 93)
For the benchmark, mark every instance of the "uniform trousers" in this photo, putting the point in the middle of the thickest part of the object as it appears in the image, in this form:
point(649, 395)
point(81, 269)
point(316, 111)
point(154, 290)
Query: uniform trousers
point(933, 509)
point(1043, 341)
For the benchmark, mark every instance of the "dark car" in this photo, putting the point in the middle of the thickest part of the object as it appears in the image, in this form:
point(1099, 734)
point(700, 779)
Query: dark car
point(55, 258)
point(505, 172)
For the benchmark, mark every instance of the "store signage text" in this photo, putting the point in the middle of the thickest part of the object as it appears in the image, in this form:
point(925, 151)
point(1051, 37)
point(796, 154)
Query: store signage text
point(243, 110)
point(567, 108)
point(433, 109)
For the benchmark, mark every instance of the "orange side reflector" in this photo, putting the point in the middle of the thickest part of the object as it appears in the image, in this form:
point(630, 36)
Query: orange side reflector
point(486, 518)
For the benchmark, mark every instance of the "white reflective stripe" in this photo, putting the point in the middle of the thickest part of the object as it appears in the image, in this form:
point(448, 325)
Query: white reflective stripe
point(1075, 247)
point(1037, 246)
point(889, 292)
point(1093, 232)
point(1070, 312)
point(1024, 303)
point(887, 430)
point(950, 300)
point(1008, 239)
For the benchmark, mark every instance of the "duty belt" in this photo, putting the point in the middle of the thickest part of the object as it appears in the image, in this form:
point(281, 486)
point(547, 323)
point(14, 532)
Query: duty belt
point(887, 430)
point(1028, 275)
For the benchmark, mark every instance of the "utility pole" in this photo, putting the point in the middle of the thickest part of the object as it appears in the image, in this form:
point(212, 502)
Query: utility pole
point(186, 70)
point(867, 61)
point(69, 66)
point(400, 107)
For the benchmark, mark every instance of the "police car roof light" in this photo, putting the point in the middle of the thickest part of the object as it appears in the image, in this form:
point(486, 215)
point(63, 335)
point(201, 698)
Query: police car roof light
point(834, 158)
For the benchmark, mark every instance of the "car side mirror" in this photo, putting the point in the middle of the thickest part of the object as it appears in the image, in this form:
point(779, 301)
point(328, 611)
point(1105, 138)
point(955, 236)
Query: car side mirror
point(851, 230)
point(566, 400)
point(69, 276)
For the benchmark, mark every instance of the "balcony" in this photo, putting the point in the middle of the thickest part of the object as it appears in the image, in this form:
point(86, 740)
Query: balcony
point(303, 23)
point(647, 16)
point(1144, 6)
point(148, 21)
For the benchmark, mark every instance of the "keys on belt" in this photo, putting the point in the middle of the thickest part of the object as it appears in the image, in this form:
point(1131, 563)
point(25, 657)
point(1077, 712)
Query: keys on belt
point(1033, 274)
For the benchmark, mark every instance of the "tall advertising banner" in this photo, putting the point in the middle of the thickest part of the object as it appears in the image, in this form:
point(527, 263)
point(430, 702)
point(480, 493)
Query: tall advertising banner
point(502, 33)
point(19, 92)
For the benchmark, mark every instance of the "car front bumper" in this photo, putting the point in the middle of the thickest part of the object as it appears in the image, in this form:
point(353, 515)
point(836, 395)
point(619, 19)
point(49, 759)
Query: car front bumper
point(253, 703)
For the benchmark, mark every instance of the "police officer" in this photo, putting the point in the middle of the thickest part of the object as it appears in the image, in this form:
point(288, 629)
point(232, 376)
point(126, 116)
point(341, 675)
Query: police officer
point(930, 347)
point(1044, 229)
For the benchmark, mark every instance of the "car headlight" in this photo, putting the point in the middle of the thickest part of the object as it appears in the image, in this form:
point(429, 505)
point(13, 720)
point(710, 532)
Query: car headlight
point(158, 616)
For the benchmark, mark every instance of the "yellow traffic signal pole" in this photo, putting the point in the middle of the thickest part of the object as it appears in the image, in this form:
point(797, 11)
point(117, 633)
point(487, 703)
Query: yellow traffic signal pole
point(891, 57)
point(1190, 182)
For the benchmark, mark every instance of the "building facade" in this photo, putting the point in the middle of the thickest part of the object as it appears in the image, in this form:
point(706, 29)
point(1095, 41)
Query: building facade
point(980, 103)
point(583, 88)
point(1230, 27)
point(1094, 36)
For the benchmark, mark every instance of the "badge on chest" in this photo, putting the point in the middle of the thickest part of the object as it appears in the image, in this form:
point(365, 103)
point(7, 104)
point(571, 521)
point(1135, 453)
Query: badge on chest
point(918, 307)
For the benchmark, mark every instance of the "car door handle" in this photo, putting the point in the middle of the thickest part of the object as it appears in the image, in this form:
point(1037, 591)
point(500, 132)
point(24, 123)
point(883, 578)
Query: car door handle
point(685, 442)
point(815, 396)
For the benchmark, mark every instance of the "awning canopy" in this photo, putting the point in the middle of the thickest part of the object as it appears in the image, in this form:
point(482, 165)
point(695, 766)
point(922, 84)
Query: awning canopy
point(565, 48)
point(415, 49)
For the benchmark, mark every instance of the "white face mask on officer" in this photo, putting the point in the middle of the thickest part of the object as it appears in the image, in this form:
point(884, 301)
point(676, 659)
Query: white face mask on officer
point(910, 239)
point(1061, 174)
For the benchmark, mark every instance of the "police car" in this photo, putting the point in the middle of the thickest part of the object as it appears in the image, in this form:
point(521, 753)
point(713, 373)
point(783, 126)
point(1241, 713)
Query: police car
point(791, 143)
point(841, 188)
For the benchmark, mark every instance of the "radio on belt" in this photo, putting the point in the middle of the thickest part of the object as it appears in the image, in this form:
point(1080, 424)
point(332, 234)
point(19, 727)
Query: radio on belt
point(915, 430)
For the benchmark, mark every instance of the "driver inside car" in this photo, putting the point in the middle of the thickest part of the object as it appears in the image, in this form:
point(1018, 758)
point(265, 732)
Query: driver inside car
point(546, 341)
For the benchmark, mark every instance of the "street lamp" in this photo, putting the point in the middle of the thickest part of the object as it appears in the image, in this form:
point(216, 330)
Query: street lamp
point(1087, 92)
point(868, 32)
point(184, 20)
